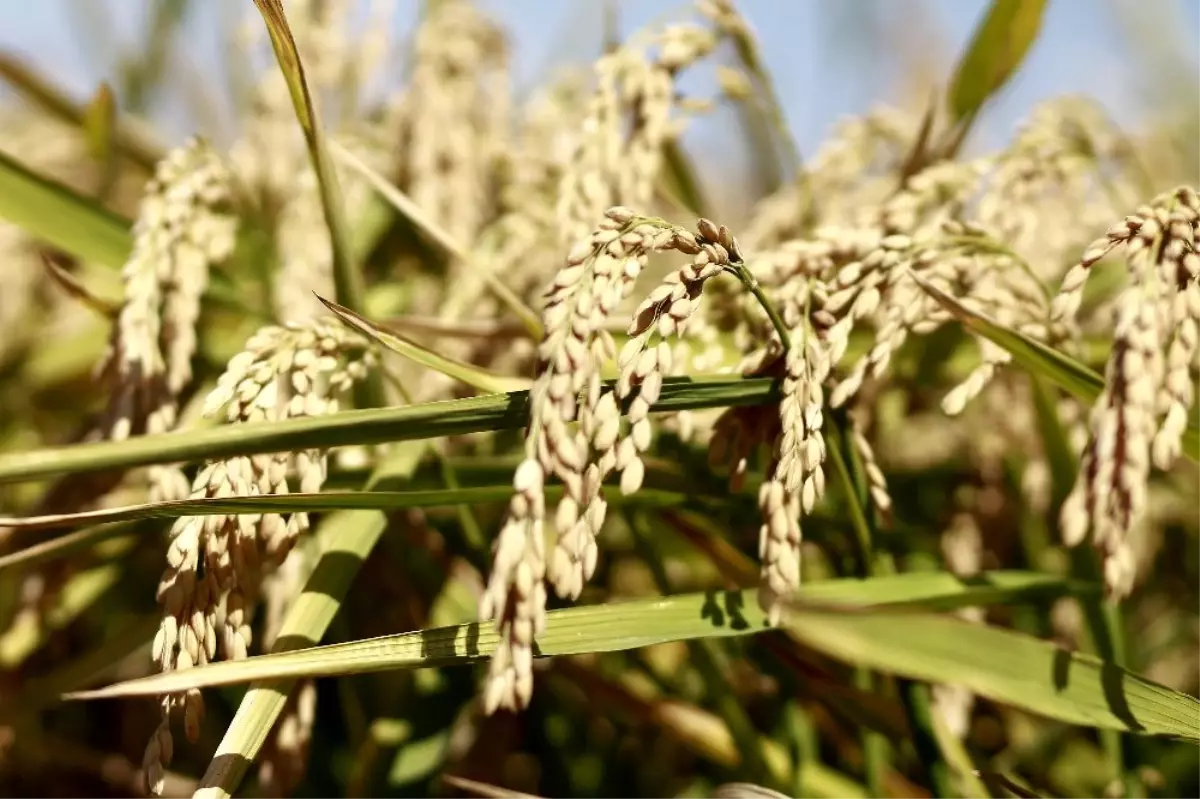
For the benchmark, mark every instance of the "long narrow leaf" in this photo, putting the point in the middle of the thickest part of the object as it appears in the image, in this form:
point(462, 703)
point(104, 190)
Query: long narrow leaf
point(469, 374)
point(599, 628)
point(996, 50)
point(61, 546)
point(1038, 358)
point(1064, 371)
point(56, 214)
point(346, 276)
point(1002, 665)
point(315, 502)
point(485, 789)
point(438, 235)
point(372, 426)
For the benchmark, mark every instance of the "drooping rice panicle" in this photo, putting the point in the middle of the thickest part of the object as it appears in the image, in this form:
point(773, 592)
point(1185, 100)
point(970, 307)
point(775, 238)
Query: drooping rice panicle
point(876, 481)
point(459, 123)
point(1141, 414)
point(215, 564)
point(619, 154)
point(599, 274)
point(185, 225)
point(1060, 174)
point(797, 479)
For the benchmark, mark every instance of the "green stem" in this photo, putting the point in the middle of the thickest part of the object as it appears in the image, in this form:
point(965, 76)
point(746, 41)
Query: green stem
point(347, 274)
point(751, 283)
point(914, 695)
point(1103, 619)
point(737, 268)
point(705, 656)
point(874, 745)
point(802, 735)
point(1106, 631)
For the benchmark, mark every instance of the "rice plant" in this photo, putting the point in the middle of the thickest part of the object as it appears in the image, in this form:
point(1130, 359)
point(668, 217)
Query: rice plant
point(435, 439)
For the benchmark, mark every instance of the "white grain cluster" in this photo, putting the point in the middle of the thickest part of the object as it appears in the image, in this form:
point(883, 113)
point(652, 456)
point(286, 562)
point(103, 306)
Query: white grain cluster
point(599, 274)
point(1060, 175)
point(619, 153)
point(955, 223)
point(215, 564)
point(961, 260)
point(1141, 414)
point(184, 226)
point(876, 481)
point(286, 372)
point(458, 125)
point(793, 275)
point(668, 311)
point(797, 479)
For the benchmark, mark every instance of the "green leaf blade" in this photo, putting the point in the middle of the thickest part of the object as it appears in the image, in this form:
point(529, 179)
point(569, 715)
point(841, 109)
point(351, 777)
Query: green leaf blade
point(466, 373)
point(56, 214)
point(1002, 665)
point(346, 276)
point(370, 426)
point(601, 628)
point(997, 49)
point(1038, 358)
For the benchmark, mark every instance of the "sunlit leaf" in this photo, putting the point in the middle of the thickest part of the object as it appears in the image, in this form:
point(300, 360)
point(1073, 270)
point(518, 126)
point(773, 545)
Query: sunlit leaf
point(370, 426)
point(461, 371)
point(996, 50)
point(601, 628)
point(1060, 369)
point(1004, 666)
point(56, 214)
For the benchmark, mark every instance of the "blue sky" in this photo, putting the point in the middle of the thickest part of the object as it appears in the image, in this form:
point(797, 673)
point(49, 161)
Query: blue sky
point(830, 57)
